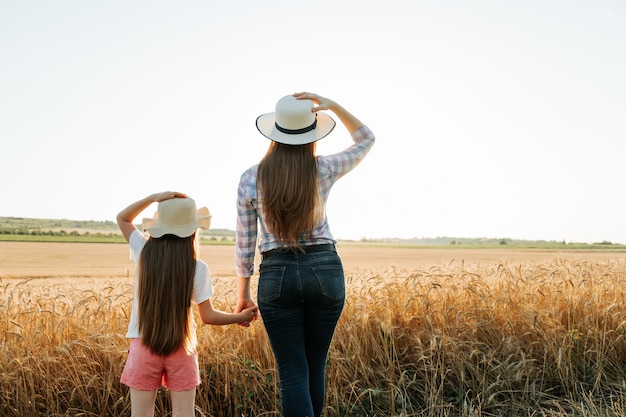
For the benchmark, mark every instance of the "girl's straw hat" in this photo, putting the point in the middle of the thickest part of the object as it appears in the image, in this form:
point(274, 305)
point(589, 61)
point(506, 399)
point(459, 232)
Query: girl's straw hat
point(293, 122)
point(177, 216)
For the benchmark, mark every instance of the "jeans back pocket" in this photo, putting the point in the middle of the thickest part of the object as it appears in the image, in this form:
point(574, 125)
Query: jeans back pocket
point(270, 282)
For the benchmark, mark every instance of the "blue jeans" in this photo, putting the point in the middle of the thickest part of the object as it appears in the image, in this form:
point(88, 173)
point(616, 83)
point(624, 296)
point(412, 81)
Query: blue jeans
point(301, 297)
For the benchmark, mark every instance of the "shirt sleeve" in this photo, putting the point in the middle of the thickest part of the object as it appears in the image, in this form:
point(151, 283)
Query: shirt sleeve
point(246, 231)
point(136, 242)
point(202, 285)
point(341, 163)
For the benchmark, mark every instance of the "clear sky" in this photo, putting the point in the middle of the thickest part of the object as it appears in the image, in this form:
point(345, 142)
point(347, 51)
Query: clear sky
point(493, 118)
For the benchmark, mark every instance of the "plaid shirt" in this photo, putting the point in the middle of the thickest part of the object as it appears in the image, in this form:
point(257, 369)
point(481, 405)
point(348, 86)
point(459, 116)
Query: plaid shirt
point(250, 214)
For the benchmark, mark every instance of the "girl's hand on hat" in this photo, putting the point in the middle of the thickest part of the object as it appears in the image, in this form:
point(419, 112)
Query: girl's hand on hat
point(166, 195)
point(126, 217)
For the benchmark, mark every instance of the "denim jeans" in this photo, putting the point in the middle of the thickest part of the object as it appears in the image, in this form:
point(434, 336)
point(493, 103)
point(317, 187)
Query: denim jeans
point(301, 297)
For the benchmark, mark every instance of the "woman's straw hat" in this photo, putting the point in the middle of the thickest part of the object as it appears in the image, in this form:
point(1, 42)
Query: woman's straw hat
point(293, 122)
point(177, 216)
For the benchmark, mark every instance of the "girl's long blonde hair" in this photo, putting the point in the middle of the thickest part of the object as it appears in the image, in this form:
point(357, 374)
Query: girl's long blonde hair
point(167, 267)
point(287, 179)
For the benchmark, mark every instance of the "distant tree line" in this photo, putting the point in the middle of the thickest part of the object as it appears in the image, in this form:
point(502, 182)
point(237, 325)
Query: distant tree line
point(39, 232)
point(28, 223)
point(90, 236)
point(491, 242)
point(23, 226)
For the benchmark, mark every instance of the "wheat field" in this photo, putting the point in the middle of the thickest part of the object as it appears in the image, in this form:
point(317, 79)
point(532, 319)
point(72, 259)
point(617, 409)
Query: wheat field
point(424, 333)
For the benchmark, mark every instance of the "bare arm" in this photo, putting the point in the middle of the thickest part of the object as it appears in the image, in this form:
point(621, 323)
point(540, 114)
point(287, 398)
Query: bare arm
point(209, 315)
point(347, 119)
point(125, 217)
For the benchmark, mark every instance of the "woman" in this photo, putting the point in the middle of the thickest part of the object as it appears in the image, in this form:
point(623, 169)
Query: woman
point(169, 277)
point(301, 289)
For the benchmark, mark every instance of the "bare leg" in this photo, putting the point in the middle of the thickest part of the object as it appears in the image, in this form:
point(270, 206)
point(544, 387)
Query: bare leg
point(183, 403)
point(142, 403)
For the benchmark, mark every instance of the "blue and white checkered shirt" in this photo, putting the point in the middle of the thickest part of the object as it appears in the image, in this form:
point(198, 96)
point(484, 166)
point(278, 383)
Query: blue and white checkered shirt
point(250, 215)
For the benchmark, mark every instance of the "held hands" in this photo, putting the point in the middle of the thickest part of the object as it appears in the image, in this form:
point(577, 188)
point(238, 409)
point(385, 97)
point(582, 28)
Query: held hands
point(250, 314)
point(250, 310)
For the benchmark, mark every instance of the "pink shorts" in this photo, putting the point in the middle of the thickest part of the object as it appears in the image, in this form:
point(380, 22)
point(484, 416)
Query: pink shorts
point(147, 372)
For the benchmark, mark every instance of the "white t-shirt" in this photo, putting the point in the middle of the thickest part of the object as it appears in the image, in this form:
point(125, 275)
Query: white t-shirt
point(202, 287)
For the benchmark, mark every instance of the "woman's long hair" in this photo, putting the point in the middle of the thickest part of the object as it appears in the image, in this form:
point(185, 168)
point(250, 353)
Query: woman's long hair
point(167, 267)
point(287, 179)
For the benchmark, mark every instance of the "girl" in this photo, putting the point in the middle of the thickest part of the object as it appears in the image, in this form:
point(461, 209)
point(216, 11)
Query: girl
point(169, 276)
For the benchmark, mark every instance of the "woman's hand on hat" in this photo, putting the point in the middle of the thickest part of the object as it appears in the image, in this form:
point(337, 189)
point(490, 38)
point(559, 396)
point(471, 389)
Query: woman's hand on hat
point(322, 103)
point(166, 195)
point(348, 119)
